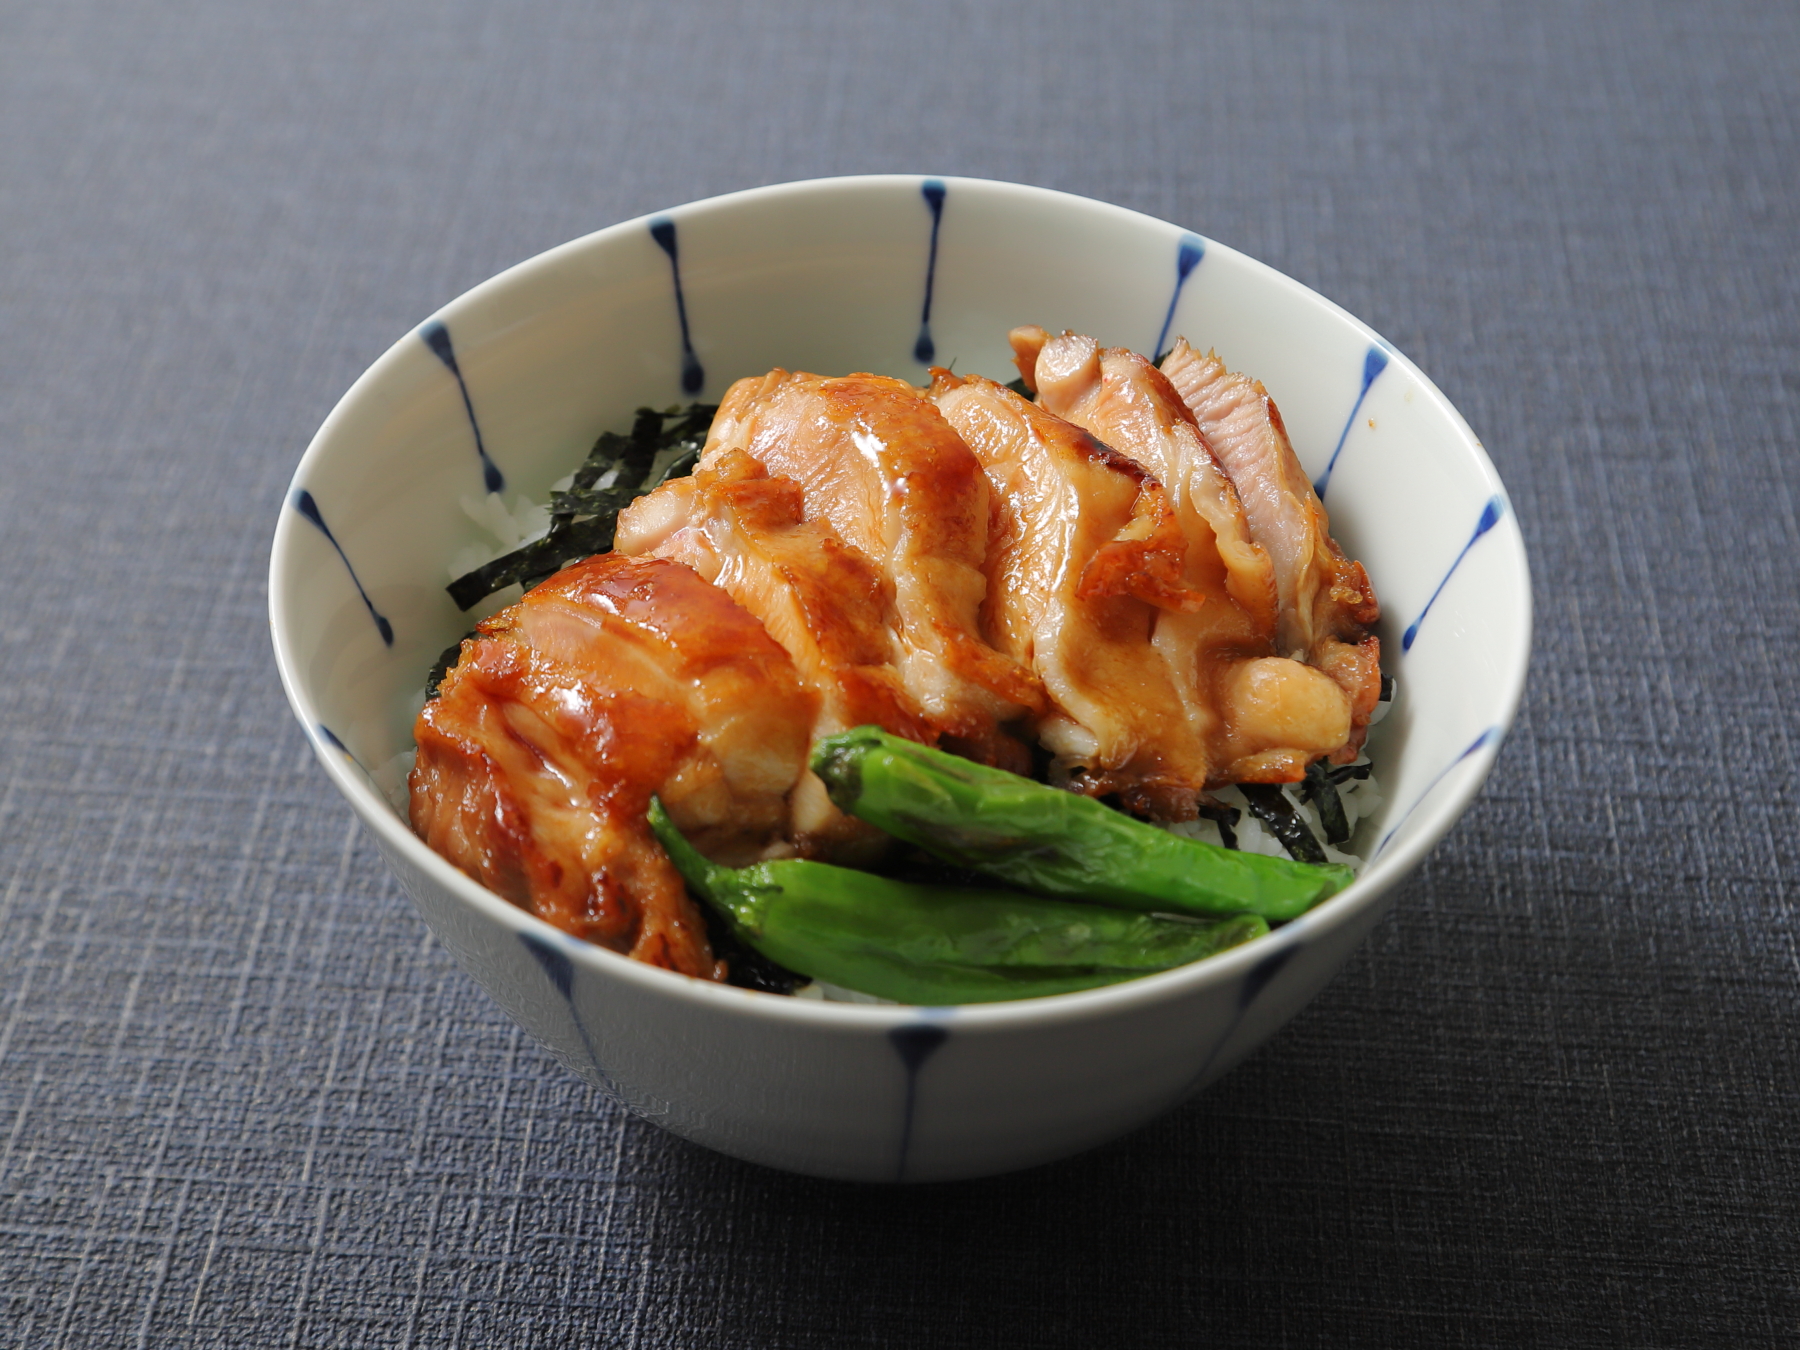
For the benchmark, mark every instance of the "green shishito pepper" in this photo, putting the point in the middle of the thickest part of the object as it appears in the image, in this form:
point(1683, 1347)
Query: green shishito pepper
point(1051, 842)
point(938, 944)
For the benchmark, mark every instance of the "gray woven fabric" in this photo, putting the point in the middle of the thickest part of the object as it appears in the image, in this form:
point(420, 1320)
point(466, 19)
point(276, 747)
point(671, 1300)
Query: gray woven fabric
point(244, 1100)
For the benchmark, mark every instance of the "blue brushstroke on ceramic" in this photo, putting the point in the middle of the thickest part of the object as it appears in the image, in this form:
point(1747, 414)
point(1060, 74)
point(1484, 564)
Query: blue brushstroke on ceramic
point(1255, 982)
point(1187, 257)
point(437, 337)
point(915, 1043)
point(303, 503)
point(1488, 737)
point(934, 193)
point(1260, 975)
point(561, 970)
point(662, 229)
point(1490, 517)
point(331, 739)
point(1375, 360)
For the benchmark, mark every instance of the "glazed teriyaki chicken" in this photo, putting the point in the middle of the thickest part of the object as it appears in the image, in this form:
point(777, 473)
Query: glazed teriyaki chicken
point(1127, 577)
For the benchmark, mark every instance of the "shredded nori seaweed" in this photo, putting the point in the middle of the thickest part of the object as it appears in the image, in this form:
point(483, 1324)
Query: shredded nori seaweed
point(1226, 818)
point(1320, 788)
point(1020, 388)
point(660, 446)
point(1276, 812)
point(746, 967)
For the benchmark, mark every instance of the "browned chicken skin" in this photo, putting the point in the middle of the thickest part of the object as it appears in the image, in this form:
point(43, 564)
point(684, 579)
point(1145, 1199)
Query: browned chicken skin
point(1133, 572)
point(615, 680)
point(1087, 557)
point(877, 463)
point(827, 604)
point(1326, 602)
point(1126, 402)
point(1265, 716)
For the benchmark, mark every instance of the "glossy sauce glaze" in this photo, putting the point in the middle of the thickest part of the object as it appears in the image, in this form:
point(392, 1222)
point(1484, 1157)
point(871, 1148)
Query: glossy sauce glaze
point(617, 679)
point(1129, 575)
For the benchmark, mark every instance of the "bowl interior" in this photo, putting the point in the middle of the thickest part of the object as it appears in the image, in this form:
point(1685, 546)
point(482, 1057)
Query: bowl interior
point(508, 386)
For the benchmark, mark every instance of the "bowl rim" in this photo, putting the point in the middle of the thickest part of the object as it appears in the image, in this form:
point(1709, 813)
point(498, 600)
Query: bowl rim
point(1431, 817)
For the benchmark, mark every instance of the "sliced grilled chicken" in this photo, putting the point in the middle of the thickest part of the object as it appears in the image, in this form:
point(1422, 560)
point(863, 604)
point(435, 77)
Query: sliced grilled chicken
point(1326, 602)
point(829, 607)
point(1269, 716)
point(1087, 558)
point(1133, 571)
point(617, 679)
point(879, 465)
point(1122, 399)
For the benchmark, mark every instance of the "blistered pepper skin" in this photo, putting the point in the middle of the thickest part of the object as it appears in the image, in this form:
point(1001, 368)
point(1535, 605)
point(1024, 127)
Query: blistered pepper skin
point(938, 945)
point(1050, 842)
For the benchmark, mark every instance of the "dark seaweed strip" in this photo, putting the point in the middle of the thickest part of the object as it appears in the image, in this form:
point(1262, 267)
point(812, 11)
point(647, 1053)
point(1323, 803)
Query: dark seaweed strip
point(533, 562)
point(1349, 771)
point(1387, 689)
point(582, 518)
point(647, 430)
point(1226, 818)
point(746, 967)
point(646, 439)
point(588, 501)
point(681, 466)
point(1321, 790)
point(1020, 388)
point(608, 450)
point(693, 422)
point(1277, 813)
point(678, 447)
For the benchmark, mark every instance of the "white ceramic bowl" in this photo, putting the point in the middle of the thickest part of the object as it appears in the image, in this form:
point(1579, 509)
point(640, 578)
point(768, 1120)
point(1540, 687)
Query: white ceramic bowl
point(509, 384)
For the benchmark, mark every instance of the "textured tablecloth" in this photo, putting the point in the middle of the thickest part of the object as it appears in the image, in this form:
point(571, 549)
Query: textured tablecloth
point(246, 1101)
